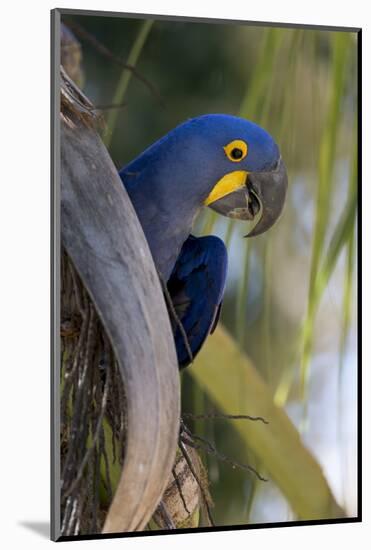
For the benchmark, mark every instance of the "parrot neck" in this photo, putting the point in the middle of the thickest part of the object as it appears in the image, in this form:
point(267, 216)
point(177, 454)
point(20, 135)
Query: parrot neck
point(166, 223)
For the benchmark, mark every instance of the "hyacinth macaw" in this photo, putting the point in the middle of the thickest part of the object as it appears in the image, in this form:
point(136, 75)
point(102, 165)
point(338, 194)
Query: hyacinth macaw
point(220, 161)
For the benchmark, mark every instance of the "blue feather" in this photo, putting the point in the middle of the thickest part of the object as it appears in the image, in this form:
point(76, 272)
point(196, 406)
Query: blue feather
point(196, 287)
point(170, 180)
point(168, 184)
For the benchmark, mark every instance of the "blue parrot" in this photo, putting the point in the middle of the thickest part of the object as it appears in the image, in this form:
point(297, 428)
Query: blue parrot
point(219, 161)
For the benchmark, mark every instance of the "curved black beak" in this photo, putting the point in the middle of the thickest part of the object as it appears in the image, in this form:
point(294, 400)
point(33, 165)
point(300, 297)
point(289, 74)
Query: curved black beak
point(269, 188)
point(263, 192)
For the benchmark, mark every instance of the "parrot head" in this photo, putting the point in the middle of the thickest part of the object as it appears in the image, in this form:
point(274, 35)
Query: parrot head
point(218, 161)
point(254, 179)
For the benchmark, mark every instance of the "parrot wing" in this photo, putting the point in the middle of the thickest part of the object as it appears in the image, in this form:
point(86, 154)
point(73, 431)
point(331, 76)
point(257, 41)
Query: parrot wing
point(196, 287)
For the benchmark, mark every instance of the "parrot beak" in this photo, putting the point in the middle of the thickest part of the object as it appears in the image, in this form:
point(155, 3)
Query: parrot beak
point(261, 192)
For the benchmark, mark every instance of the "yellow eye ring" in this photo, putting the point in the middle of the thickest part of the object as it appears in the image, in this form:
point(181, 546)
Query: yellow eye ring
point(236, 150)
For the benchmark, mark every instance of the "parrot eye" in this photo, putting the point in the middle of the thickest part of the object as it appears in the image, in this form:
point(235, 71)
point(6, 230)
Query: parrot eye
point(236, 150)
point(236, 153)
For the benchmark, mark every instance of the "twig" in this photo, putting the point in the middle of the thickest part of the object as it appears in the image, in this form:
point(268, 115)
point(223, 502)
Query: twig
point(178, 322)
point(208, 447)
point(180, 491)
point(198, 481)
point(110, 106)
point(95, 437)
point(164, 515)
point(103, 50)
point(224, 416)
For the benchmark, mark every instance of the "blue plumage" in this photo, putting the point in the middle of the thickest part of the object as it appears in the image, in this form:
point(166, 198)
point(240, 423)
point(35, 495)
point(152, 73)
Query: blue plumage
point(170, 180)
point(222, 161)
point(196, 287)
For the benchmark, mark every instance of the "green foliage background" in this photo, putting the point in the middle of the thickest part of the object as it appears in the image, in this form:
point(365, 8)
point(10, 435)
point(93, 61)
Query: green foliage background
point(290, 301)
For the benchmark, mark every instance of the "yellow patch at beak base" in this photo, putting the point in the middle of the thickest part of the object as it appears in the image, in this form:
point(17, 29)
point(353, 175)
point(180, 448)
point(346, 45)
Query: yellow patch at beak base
point(227, 184)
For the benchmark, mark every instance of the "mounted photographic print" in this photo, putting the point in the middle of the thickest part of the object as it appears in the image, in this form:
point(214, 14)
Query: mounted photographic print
point(205, 186)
